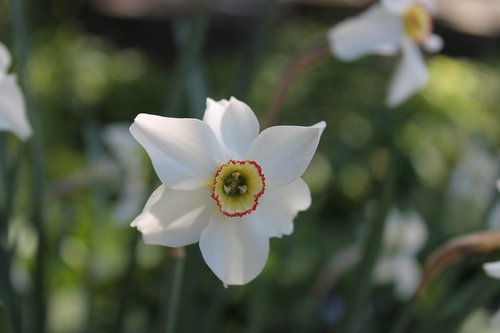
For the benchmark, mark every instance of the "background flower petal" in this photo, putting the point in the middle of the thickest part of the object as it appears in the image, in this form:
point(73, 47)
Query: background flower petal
point(397, 6)
point(5, 59)
point(492, 269)
point(406, 276)
point(234, 124)
point(184, 152)
point(234, 249)
point(12, 109)
point(411, 74)
point(284, 152)
point(433, 43)
point(279, 206)
point(374, 31)
point(174, 218)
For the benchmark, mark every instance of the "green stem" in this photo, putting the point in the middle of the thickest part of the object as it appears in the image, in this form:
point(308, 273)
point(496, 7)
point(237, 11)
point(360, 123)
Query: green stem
point(371, 249)
point(38, 194)
point(250, 60)
point(187, 59)
point(7, 294)
point(126, 283)
point(5, 325)
point(175, 291)
point(450, 314)
point(405, 317)
point(495, 195)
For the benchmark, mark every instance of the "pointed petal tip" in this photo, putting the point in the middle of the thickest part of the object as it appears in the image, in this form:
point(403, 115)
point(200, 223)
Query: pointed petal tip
point(321, 126)
point(209, 102)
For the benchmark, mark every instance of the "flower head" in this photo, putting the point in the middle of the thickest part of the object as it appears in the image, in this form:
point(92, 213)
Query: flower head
point(386, 28)
point(12, 107)
point(225, 185)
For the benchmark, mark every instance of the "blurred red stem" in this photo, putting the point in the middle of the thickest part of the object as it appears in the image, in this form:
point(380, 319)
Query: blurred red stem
point(299, 65)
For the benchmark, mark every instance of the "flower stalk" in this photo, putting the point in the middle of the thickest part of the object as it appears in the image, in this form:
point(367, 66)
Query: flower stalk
point(371, 249)
point(187, 59)
point(178, 256)
point(38, 193)
point(298, 66)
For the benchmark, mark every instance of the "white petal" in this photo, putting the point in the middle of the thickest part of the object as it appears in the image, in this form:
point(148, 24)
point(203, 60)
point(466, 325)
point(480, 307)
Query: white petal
point(373, 31)
point(234, 249)
point(415, 233)
point(384, 270)
point(411, 74)
point(492, 269)
point(185, 152)
point(433, 43)
point(12, 109)
point(406, 276)
point(234, 124)
point(5, 59)
point(397, 6)
point(430, 5)
point(284, 152)
point(174, 218)
point(279, 206)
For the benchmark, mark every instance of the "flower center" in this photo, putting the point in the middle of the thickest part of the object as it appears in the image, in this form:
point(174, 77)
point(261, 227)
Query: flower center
point(237, 187)
point(417, 23)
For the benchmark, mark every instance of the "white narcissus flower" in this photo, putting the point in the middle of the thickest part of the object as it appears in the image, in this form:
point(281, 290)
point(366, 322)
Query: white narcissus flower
point(386, 28)
point(225, 185)
point(12, 107)
point(405, 235)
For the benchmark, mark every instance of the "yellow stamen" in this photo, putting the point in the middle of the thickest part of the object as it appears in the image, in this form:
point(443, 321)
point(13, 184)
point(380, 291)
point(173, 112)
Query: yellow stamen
point(417, 23)
point(237, 187)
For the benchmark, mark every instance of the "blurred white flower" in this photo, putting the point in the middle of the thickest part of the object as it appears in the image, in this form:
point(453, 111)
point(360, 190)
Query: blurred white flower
point(492, 269)
point(128, 155)
point(405, 234)
point(224, 184)
point(386, 28)
point(493, 219)
point(12, 106)
point(473, 177)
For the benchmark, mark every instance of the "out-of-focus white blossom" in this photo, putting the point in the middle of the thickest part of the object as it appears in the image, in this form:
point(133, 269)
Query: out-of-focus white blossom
point(386, 28)
point(12, 106)
point(472, 184)
point(128, 155)
point(405, 235)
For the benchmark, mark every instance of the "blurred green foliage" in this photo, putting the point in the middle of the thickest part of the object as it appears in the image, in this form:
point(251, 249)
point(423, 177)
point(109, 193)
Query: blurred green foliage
point(83, 82)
